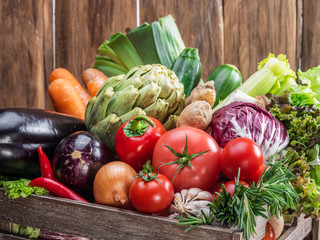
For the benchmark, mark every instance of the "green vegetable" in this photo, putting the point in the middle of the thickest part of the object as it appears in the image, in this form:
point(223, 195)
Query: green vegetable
point(302, 95)
point(274, 76)
point(188, 69)
point(303, 125)
point(311, 78)
point(143, 41)
point(3, 179)
point(109, 67)
point(273, 189)
point(20, 188)
point(159, 42)
point(167, 39)
point(227, 78)
point(24, 231)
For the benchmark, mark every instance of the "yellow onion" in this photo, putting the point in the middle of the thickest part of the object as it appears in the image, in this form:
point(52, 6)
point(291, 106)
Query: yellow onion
point(112, 183)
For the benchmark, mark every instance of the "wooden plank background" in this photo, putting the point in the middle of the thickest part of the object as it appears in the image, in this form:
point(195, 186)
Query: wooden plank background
point(239, 32)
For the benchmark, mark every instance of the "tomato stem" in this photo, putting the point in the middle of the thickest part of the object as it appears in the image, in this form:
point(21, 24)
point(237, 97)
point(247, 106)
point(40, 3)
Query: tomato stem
point(184, 159)
point(147, 174)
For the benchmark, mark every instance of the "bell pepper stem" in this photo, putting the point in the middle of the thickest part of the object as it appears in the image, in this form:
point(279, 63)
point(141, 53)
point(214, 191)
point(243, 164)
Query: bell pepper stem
point(136, 122)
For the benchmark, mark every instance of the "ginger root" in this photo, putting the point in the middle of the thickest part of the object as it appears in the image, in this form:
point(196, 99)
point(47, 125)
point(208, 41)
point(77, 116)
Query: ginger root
point(205, 92)
point(197, 114)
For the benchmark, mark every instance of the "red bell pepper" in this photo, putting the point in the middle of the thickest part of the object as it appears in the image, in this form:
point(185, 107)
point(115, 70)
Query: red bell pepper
point(135, 140)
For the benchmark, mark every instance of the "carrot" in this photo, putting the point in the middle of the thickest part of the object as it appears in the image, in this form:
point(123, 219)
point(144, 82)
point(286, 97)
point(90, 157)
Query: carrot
point(65, 98)
point(93, 79)
point(65, 74)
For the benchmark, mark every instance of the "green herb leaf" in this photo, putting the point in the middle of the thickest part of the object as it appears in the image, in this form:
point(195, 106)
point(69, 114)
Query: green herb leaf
point(20, 188)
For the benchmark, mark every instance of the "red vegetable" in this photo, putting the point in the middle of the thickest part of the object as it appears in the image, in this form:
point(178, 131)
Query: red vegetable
point(241, 153)
point(256, 176)
point(231, 184)
point(189, 157)
point(217, 187)
point(151, 192)
point(45, 165)
point(135, 140)
point(56, 188)
point(269, 234)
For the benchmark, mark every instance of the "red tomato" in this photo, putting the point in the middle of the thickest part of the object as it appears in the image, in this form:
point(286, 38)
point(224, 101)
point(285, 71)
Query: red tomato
point(241, 153)
point(152, 196)
point(256, 176)
point(230, 186)
point(136, 150)
point(270, 234)
point(217, 187)
point(202, 171)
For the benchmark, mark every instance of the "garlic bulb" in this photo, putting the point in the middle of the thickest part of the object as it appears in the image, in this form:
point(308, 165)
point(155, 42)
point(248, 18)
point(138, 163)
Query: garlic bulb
point(190, 202)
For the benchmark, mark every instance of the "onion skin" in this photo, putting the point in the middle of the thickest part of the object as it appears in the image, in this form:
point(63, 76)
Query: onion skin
point(112, 183)
point(277, 224)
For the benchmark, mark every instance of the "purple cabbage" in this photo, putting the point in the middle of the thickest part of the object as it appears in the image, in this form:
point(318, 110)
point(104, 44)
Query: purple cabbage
point(240, 119)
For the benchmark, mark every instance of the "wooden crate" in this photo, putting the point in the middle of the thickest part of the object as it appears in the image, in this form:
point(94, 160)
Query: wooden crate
point(102, 222)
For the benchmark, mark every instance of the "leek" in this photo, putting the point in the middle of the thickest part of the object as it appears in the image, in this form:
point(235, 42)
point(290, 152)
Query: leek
point(168, 40)
point(109, 67)
point(104, 49)
point(143, 41)
point(159, 42)
point(274, 75)
point(121, 45)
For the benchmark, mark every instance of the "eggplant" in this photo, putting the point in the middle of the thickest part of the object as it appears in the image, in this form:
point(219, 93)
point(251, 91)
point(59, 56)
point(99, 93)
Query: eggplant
point(78, 157)
point(23, 130)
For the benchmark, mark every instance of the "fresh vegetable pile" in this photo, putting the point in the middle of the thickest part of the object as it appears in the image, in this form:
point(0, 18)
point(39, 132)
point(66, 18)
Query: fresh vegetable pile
point(147, 134)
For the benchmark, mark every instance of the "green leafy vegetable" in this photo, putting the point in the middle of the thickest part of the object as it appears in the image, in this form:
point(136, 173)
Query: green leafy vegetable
point(20, 188)
point(24, 231)
point(3, 179)
point(273, 190)
point(311, 77)
point(303, 125)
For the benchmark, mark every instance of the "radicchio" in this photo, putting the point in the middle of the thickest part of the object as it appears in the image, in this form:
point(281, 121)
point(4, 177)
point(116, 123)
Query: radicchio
point(240, 119)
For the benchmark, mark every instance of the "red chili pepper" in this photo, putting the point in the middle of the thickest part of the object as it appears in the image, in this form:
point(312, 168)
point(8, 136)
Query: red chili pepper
point(45, 165)
point(56, 188)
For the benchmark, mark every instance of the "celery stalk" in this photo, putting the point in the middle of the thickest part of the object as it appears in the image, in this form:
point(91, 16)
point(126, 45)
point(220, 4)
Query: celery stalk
point(109, 67)
point(143, 41)
point(273, 75)
point(124, 49)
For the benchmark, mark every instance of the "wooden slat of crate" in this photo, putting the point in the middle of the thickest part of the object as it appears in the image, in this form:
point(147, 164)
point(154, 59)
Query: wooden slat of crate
point(300, 229)
point(99, 222)
point(6, 236)
point(102, 222)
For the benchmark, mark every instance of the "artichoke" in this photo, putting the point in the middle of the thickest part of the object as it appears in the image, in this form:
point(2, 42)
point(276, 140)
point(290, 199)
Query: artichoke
point(152, 90)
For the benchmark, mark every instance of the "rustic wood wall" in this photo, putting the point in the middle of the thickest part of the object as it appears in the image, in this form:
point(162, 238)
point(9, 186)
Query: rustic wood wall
point(239, 32)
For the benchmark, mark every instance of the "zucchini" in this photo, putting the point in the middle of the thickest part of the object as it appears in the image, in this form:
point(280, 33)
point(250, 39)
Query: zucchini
point(188, 69)
point(227, 78)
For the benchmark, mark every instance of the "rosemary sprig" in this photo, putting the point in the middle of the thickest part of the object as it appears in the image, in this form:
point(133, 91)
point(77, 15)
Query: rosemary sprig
point(273, 190)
